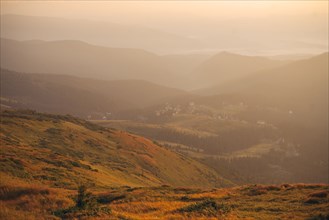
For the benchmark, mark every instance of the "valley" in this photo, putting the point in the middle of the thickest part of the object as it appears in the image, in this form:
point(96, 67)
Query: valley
point(168, 110)
point(45, 158)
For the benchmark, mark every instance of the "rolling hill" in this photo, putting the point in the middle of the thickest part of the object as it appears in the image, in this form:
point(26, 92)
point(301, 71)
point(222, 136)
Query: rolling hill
point(63, 151)
point(224, 67)
point(269, 127)
point(80, 96)
point(72, 57)
point(44, 158)
point(298, 85)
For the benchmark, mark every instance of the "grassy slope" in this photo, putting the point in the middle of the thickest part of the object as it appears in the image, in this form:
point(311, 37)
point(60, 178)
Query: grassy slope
point(63, 151)
point(286, 201)
point(43, 157)
point(247, 202)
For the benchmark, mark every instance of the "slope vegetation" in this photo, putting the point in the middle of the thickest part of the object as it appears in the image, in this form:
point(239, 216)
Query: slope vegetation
point(62, 151)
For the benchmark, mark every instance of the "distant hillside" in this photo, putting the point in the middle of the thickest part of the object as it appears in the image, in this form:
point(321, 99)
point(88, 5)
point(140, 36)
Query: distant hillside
point(63, 151)
point(79, 96)
point(272, 126)
point(295, 85)
point(78, 58)
point(21, 27)
point(225, 67)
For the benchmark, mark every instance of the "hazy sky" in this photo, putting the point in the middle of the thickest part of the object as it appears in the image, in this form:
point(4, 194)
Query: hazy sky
point(155, 11)
point(300, 22)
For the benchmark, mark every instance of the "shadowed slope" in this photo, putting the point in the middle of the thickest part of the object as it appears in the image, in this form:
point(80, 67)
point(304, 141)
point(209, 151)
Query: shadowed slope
point(80, 96)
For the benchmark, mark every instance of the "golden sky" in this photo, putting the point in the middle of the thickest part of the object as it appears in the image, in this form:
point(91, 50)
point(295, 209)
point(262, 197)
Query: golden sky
point(127, 11)
point(284, 22)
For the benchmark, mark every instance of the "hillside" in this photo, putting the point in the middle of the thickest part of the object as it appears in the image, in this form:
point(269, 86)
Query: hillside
point(224, 67)
point(269, 127)
point(79, 96)
point(306, 78)
point(300, 87)
point(286, 201)
point(244, 143)
point(72, 57)
point(44, 158)
point(63, 151)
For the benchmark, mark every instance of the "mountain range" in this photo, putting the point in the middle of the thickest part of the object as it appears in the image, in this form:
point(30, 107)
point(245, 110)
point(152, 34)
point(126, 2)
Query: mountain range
point(110, 34)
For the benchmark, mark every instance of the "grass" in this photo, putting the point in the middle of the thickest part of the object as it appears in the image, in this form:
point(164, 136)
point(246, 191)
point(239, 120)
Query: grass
point(163, 202)
point(63, 151)
point(44, 158)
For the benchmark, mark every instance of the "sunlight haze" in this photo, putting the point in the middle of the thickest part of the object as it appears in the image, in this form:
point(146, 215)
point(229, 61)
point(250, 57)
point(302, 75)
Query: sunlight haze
point(249, 27)
point(186, 110)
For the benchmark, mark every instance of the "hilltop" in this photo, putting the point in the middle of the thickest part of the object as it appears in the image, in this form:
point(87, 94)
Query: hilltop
point(73, 57)
point(225, 67)
point(299, 81)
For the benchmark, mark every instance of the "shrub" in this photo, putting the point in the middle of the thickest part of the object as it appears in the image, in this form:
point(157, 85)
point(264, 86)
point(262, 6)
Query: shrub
point(53, 131)
point(11, 193)
point(312, 201)
point(320, 217)
point(106, 199)
point(85, 205)
point(320, 194)
point(208, 207)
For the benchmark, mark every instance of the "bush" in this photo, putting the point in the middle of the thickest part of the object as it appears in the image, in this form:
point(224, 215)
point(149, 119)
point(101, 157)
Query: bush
point(312, 201)
point(85, 205)
point(320, 194)
point(85, 200)
point(208, 207)
point(320, 217)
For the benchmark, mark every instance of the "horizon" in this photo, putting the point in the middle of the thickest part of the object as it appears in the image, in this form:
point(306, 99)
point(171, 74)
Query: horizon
point(299, 27)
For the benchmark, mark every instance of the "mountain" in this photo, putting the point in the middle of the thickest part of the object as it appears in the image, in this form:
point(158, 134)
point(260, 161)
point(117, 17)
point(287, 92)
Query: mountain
point(295, 85)
point(83, 59)
point(64, 151)
point(80, 96)
point(269, 127)
point(224, 67)
point(45, 158)
point(182, 65)
point(22, 27)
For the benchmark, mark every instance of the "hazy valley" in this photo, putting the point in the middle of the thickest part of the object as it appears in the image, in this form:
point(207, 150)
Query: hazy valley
point(109, 120)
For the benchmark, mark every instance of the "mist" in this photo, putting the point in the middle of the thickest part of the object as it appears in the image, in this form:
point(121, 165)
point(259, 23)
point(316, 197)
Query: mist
point(164, 110)
point(254, 28)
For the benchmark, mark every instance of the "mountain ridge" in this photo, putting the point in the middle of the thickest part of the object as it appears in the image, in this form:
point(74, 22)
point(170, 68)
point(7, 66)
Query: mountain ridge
point(222, 68)
point(70, 94)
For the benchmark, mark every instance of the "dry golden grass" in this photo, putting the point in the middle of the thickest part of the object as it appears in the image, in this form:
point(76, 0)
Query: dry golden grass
point(246, 202)
point(249, 202)
point(62, 151)
point(44, 158)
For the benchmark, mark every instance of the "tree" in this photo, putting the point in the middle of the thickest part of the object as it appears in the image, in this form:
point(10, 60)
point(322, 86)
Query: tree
point(85, 200)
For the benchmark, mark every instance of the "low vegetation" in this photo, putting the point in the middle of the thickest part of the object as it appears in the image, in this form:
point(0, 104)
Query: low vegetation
point(164, 202)
point(47, 162)
point(63, 151)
